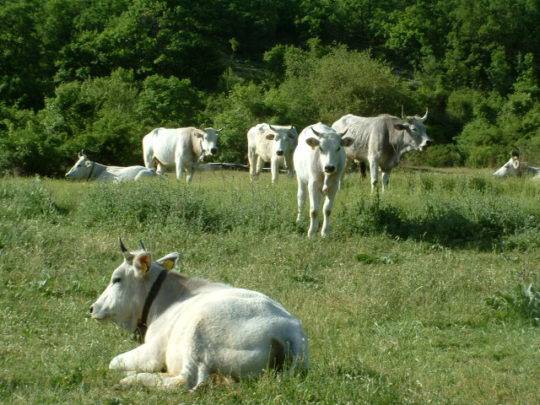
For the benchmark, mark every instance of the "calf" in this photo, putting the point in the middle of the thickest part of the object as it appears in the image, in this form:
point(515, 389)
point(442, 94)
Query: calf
point(271, 143)
point(319, 160)
point(192, 328)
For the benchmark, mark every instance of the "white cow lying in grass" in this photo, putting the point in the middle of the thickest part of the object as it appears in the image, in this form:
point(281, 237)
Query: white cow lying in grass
point(319, 161)
point(193, 328)
point(85, 169)
point(515, 167)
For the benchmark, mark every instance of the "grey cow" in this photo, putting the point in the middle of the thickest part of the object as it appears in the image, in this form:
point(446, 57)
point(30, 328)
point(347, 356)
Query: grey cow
point(382, 140)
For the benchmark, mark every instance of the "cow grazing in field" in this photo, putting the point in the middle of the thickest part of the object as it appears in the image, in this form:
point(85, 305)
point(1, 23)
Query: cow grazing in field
point(319, 161)
point(383, 140)
point(181, 148)
point(193, 328)
point(515, 167)
point(271, 143)
point(85, 169)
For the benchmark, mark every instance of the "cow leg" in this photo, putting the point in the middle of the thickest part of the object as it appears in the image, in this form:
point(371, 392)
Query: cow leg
point(147, 357)
point(290, 165)
point(301, 198)
point(252, 157)
point(327, 209)
point(190, 171)
point(385, 179)
point(274, 168)
point(373, 172)
point(363, 169)
point(179, 168)
point(160, 168)
point(160, 380)
point(259, 165)
point(314, 206)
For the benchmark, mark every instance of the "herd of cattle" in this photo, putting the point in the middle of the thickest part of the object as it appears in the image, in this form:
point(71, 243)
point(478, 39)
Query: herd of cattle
point(318, 155)
point(194, 329)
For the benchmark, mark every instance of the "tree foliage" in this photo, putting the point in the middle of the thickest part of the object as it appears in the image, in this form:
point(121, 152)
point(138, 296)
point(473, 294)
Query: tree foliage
point(99, 74)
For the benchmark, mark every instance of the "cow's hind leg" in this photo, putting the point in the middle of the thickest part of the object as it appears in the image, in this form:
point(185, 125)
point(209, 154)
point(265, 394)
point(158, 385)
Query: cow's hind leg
point(274, 168)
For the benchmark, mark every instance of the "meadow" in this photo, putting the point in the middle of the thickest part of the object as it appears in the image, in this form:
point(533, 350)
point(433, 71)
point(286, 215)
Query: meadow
point(415, 298)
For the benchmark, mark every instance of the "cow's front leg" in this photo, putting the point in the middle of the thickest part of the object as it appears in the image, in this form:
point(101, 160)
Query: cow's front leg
point(327, 207)
point(373, 172)
point(314, 189)
point(190, 171)
point(274, 168)
point(301, 198)
point(259, 165)
point(385, 179)
point(290, 165)
point(147, 358)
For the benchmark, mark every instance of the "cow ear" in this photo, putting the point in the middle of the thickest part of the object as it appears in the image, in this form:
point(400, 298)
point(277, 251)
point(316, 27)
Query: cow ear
point(401, 127)
point(270, 136)
point(347, 141)
point(169, 261)
point(142, 262)
point(313, 142)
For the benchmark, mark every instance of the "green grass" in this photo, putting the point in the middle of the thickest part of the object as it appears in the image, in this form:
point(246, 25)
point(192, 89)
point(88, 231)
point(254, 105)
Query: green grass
point(414, 298)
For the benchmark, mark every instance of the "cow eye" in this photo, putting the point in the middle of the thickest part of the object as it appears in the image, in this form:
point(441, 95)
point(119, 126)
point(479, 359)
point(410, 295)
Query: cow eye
point(116, 280)
point(339, 147)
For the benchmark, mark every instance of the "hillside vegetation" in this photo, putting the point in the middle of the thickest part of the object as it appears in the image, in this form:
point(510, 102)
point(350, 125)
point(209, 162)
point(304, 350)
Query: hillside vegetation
point(99, 75)
point(415, 298)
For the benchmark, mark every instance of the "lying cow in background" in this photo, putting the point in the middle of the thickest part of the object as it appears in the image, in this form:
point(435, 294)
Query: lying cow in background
point(515, 167)
point(181, 148)
point(193, 328)
point(319, 161)
point(382, 140)
point(271, 143)
point(85, 169)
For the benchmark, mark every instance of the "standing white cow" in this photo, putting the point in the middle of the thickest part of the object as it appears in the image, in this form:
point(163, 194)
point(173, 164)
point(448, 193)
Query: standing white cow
point(515, 167)
point(193, 328)
point(86, 169)
point(271, 143)
point(319, 161)
point(383, 140)
point(182, 148)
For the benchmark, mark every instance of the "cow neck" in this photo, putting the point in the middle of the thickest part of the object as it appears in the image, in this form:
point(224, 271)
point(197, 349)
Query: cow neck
point(96, 170)
point(196, 146)
point(142, 326)
point(91, 171)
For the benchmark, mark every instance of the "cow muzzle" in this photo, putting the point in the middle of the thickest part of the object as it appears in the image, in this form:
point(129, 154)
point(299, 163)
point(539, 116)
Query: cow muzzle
point(213, 151)
point(329, 169)
point(279, 153)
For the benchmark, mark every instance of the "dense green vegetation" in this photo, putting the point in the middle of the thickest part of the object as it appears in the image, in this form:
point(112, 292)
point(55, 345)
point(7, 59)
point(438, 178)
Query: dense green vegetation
point(416, 297)
point(99, 75)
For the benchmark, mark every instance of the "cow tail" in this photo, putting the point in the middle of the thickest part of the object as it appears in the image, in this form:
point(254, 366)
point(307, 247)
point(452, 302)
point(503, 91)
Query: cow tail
point(291, 353)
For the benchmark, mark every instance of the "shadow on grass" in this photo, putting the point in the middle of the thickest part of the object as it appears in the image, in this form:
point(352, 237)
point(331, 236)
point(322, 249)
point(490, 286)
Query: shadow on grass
point(462, 224)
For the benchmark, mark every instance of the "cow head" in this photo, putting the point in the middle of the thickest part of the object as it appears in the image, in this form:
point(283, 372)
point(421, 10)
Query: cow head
point(514, 167)
point(414, 126)
point(123, 299)
point(284, 139)
point(209, 141)
point(81, 169)
point(330, 146)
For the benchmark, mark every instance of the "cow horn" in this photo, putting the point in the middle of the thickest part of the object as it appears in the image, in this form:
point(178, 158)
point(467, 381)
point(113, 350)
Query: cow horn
point(219, 130)
point(402, 112)
point(123, 247)
point(272, 128)
point(425, 115)
point(81, 153)
point(316, 133)
point(142, 246)
point(342, 134)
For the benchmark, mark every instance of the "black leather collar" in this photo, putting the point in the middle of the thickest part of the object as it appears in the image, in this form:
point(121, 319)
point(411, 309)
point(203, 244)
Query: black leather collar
point(140, 332)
